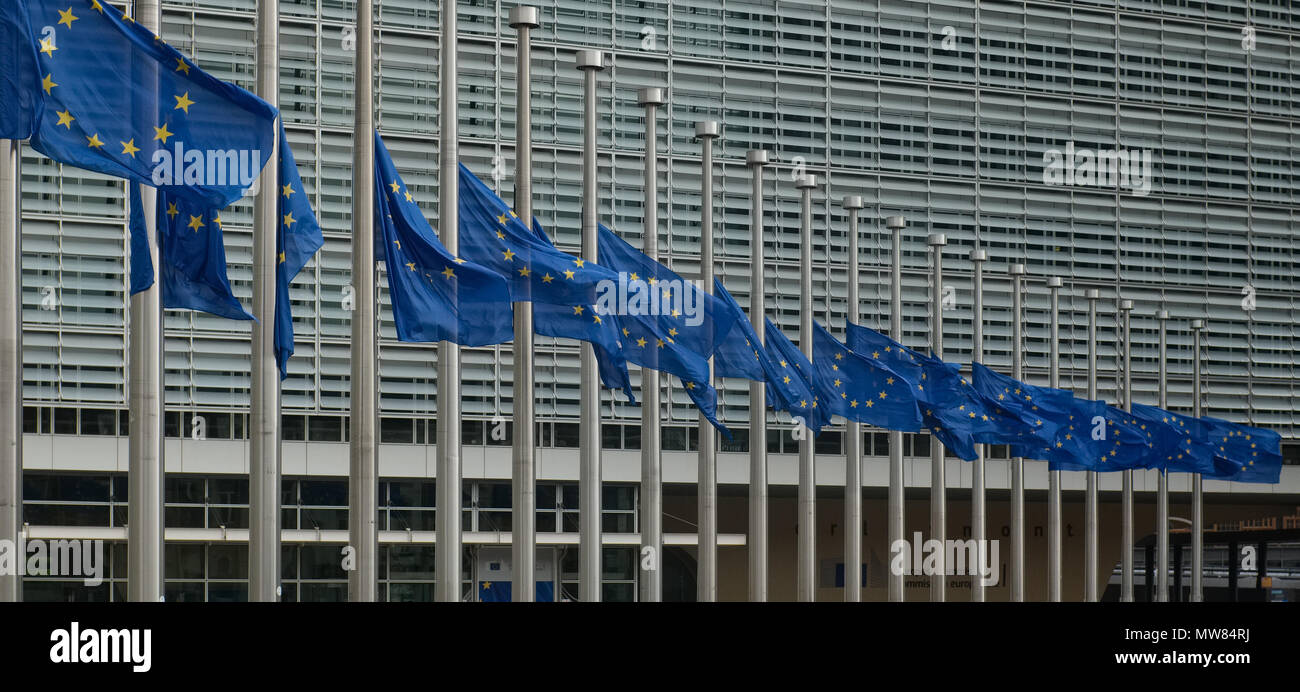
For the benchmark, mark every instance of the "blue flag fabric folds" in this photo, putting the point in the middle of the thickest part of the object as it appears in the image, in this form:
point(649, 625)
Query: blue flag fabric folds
point(21, 98)
point(859, 389)
point(436, 296)
point(120, 101)
point(742, 355)
point(793, 389)
point(1032, 414)
point(1243, 453)
point(142, 274)
point(193, 253)
point(298, 237)
point(1181, 442)
point(1095, 437)
point(950, 408)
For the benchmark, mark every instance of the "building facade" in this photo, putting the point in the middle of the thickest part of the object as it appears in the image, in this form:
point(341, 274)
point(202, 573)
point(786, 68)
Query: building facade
point(948, 113)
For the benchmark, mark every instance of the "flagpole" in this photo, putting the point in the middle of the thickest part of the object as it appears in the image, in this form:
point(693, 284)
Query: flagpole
point(853, 445)
point(1198, 516)
point(362, 449)
point(590, 62)
point(11, 360)
point(938, 480)
point(1090, 498)
point(1162, 488)
point(807, 517)
point(145, 374)
point(756, 159)
point(1126, 501)
point(264, 418)
point(896, 224)
point(1017, 576)
point(1054, 537)
point(978, 509)
point(523, 538)
point(652, 491)
point(707, 482)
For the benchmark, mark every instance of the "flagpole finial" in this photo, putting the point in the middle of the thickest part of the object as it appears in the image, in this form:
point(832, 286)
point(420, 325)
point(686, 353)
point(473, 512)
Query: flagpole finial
point(852, 202)
point(1017, 270)
point(1054, 282)
point(589, 60)
point(937, 239)
point(1198, 325)
point(895, 222)
point(650, 96)
point(524, 16)
point(757, 157)
point(1125, 305)
point(806, 182)
point(1092, 294)
point(708, 128)
point(979, 256)
point(1162, 315)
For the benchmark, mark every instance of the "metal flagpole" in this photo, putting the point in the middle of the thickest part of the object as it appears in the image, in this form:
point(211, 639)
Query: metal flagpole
point(523, 536)
point(1090, 498)
point(756, 159)
point(363, 460)
point(853, 445)
point(1126, 501)
point(938, 481)
point(707, 482)
point(1054, 536)
point(145, 372)
point(896, 224)
point(978, 509)
point(1017, 576)
point(1162, 489)
point(807, 517)
point(652, 491)
point(1198, 523)
point(11, 360)
point(589, 540)
point(264, 418)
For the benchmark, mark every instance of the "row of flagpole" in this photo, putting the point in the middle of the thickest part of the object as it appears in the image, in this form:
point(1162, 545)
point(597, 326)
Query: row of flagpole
point(145, 528)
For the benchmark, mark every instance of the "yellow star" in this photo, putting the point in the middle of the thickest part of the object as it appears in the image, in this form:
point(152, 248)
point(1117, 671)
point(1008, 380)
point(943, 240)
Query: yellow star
point(161, 133)
point(94, 5)
point(875, 354)
point(597, 318)
point(803, 403)
point(394, 187)
point(48, 47)
point(659, 343)
point(218, 220)
point(66, 17)
point(578, 262)
point(525, 271)
point(547, 278)
point(634, 277)
point(672, 331)
point(410, 265)
point(196, 222)
point(652, 281)
point(183, 103)
point(839, 356)
point(172, 211)
point(691, 385)
point(448, 273)
point(568, 273)
point(502, 219)
point(94, 142)
point(883, 395)
point(625, 332)
point(289, 220)
point(853, 403)
point(130, 148)
point(889, 380)
point(787, 379)
point(577, 309)
point(501, 236)
point(640, 342)
point(837, 382)
point(65, 119)
point(870, 403)
point(288, 191)
point(48, 83)
point(509, 255)
point(675, 313)
point(398, 243)
point(409, 197)
point(181, 66)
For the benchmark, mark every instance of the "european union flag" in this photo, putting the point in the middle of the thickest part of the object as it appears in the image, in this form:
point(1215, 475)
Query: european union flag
point(733, 357)
point(436, 295)
point(298, 237)
point(120, 101)
point(142, 274)
point(21, 98)
point(792, 389)
point(1181, 442)
point(1031, 414)
point(1095, 437)
point(861, 390)
point(950, 408)
point(1244, 454)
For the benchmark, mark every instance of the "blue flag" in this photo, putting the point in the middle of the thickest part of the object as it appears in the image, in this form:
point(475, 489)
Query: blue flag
point(792, 389)
point(298, 237)
point(1244, 454)
point(1094, 437)
point(742, 355)
point(21, 98)
point(120, 101)
point(142, 274)
point(436, 296)
point(1181, 442)
point(1032, 414)
point(859, 389)
point(950, 408)
point(667, 323)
